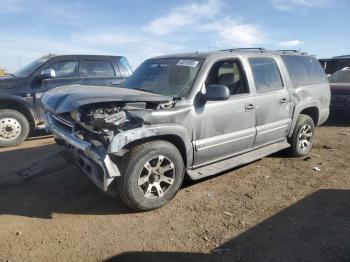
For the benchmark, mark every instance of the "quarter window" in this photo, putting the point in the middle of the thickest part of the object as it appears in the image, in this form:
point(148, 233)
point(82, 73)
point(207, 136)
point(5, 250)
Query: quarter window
point(124, 67)
point(65, 68)
point(266, 74)
point(99, 69)
point(304, 70)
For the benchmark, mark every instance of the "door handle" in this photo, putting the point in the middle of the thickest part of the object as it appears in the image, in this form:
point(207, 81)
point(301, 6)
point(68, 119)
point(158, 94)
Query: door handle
point(117, 82)
point(283, 100)
point(249, 107)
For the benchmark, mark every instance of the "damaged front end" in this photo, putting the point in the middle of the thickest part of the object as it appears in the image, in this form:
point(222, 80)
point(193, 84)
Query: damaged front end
point(88, 132)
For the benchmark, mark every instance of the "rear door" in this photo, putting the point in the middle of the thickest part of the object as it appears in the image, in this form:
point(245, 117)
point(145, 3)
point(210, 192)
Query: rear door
point(272, 101)
point(100, 72)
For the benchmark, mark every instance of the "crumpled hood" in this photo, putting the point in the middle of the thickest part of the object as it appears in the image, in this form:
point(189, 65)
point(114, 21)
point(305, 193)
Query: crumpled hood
point(70, 98)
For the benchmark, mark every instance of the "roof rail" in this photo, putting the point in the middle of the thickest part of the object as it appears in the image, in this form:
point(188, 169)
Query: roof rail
point(289, 50)
point(342, 56)
point(284, 51)
point(242, 49)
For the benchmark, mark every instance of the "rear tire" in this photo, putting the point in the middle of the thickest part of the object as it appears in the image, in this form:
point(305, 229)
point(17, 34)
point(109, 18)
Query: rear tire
point(14, 128)
point(153, 175)
point(303, 136)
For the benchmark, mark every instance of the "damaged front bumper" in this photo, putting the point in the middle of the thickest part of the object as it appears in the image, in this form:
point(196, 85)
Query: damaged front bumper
point(96, 163)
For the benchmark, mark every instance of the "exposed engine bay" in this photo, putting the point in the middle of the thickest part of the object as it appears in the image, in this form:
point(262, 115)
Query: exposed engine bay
point(102, 121)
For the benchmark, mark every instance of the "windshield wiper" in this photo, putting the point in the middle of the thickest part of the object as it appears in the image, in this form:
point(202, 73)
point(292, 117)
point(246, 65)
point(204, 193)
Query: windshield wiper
point(144, 90)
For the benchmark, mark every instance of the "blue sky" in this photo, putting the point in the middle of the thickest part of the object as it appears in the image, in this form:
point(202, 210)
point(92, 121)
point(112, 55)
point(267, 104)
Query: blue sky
point(140, 29)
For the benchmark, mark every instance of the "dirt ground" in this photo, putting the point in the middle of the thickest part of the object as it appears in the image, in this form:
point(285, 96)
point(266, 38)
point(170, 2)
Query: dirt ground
point(275, 209)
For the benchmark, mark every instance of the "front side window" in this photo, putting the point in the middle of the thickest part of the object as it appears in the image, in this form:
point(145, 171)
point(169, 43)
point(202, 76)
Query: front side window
point(304, 70)
point(99, 69)
point(230, 74)
point(65, 68)
point(342, 76)
point(266, 74)
point(165, 76)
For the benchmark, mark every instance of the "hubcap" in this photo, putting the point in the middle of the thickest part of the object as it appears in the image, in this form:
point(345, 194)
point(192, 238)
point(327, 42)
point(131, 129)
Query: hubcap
point(156, 177)
point(305, 137)
point(10, 129)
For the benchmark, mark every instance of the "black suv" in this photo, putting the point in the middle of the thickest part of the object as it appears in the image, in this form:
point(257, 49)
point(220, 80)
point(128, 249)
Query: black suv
point(332, 65)
point(20, 92)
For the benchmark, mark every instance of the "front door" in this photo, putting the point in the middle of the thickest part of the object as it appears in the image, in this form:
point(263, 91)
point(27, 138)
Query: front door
point(272, 102)
point(67, 73)
point(224, 128)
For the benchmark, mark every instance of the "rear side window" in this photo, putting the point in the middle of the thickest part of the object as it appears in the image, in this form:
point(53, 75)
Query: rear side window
point(266, 74)
point(304, 70)
point(124, 67)
point(99, 68)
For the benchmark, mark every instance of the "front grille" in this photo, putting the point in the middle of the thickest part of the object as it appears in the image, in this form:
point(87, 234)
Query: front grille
point(63, 124)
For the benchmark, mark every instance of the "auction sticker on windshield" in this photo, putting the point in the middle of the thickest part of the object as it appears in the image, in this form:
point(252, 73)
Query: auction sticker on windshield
point(191, 63)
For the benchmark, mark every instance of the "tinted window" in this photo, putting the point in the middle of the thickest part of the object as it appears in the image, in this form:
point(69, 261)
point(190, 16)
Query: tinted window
point(342, 76)
point(124, 67)
point(167, 76)
point(304, 70)
point(266, 74)
point(99, 69)
point(65, 68)
point(230, 74)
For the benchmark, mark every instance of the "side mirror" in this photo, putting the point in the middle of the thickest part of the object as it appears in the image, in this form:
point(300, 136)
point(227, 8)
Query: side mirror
point(217, 92)
point(47, 73)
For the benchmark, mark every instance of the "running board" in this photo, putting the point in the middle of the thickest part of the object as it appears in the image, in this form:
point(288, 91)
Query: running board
point(236, 161)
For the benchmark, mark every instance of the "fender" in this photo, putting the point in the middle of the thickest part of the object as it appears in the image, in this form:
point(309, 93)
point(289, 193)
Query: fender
point(24, 102)
point(297, 109)
point(121, 140)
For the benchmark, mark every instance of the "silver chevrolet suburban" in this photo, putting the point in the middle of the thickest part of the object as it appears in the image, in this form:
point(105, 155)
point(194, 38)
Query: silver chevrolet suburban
point(193, 115)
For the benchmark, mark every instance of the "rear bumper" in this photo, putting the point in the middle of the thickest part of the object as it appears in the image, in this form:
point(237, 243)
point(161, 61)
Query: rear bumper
point(95, 163)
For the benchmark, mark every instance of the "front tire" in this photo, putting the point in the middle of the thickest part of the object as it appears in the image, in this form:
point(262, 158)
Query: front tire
point(14, 128)
point(152, 177)
point(303, 136)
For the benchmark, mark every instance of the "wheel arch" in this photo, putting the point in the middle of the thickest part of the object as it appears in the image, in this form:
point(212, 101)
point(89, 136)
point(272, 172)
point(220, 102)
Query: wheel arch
point(311, 109)
point(178, 137)
point(21, 107)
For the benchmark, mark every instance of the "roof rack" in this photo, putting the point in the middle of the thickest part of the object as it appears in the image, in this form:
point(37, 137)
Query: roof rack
point(242, 49)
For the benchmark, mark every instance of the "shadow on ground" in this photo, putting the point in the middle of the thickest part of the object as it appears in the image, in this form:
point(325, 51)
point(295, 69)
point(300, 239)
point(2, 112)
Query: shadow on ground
point(14, 159)
point(67, 191)
point(39, 134)
point(317, 228)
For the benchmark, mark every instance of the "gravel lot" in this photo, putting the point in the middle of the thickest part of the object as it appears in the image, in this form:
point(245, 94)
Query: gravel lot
point(275, 209)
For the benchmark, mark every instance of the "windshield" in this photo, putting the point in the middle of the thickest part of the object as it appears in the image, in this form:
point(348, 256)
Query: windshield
point(342, 76)
point(166, 76)
point(28, 69)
